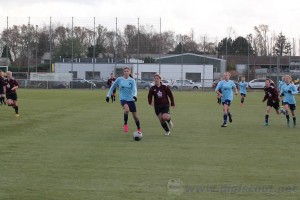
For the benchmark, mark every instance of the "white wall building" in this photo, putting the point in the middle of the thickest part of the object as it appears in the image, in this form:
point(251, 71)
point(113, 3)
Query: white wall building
point(197, 73)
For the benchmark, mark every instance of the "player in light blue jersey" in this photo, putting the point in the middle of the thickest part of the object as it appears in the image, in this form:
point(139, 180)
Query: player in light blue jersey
point(226, 86)
point(289, 103)
point(243, 85)
point(128, 96)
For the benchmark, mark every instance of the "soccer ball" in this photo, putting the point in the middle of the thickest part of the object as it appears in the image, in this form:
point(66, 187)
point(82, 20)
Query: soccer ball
point(137, 136)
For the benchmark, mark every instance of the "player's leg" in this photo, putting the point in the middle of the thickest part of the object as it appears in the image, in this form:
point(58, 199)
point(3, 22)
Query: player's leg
point(242, 99)
point(167, 119)
point(287, 108)
point(268, 110)
point(293, 108)
point(16, 107)
point(132, 109)
point(15, 103)
point(9, 102)
point(225, 113)
point(163, 123)
point(114, 94)
point(229, 114)
point(126, 111)
point(1, 99)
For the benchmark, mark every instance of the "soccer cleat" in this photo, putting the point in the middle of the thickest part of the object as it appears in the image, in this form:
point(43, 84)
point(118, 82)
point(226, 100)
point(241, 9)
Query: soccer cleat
point(167, 133)
point(125, 128)
point(266, 124)
point(282, 111)
point(230, 118)
point(224, 125)
point(171, 125)
point(17, 115)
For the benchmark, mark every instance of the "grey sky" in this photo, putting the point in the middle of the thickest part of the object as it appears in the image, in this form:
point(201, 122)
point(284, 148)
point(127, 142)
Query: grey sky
point(211, 17)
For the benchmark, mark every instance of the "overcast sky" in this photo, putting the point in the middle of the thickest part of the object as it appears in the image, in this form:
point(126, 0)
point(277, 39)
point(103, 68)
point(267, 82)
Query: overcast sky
point(212, 18)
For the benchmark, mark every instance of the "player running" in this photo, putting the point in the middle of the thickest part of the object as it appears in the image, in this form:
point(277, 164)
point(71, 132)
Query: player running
point(11, 86)
point(243, 85)
point(226, 86)
point(162, 94)
point(128, 94)
point(110, 81)
point(289, 103)
point(271, 94)
point(2, 89)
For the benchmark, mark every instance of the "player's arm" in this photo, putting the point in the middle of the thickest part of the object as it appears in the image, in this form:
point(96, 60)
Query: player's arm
point(265, 97)
point(293, 90)
point(235, 88)
point(150, 95)
point(170, 95)
point(219, 86)
point(134, 90)
point(276, 94)
point(16, 86)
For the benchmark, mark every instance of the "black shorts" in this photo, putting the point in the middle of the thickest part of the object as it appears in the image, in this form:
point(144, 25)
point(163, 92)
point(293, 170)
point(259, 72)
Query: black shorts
point(12, 96)
point(131, 105)
point(227, 102)
point(292, 106)
point(162, 109)
point(273, 104)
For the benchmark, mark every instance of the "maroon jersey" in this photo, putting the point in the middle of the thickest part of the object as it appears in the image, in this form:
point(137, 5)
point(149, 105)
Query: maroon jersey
point(110, 81)
point(10, 84)
point(271, 94)
point(161, 96)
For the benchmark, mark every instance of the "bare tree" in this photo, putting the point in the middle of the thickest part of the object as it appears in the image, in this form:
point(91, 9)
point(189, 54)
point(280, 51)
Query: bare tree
point(261, 39)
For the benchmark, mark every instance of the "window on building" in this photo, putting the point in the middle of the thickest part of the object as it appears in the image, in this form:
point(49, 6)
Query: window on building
point(195, 77)
point(148, 76)
point(92, 75)
point(74, 73)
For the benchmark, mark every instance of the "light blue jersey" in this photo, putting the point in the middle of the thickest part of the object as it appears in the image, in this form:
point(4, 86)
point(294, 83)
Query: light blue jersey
point(127, 88)
point(289, 97)
point(243, 87)
point(226, 88)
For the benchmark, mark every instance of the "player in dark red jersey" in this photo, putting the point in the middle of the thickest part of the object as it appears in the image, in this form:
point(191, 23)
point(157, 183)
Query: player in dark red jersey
point(162, 94)
point(2, 88)
point(271, 95)
point(11, 92)
point(110, 81)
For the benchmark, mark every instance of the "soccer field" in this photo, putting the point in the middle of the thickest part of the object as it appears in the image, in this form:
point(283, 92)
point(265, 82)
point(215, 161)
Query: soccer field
point(69, 144)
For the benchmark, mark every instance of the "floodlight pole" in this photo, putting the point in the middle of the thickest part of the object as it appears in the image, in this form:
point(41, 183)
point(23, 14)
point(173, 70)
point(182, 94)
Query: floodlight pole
point(36, 47)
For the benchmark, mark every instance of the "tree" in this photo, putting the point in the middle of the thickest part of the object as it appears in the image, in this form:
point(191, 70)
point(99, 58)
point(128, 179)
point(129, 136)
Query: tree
point(65, 49)
point(260, 40)
point(185, 44)
point(241, 46)
point(282, 46)
point(99, 49)
point(225, 47)
point(6, 53)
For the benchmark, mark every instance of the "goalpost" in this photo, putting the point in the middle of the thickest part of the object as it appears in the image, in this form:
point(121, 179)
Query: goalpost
point(4, 68)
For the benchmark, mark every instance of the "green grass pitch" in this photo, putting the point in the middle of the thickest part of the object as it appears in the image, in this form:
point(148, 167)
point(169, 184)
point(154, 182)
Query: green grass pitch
point(69, 144)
